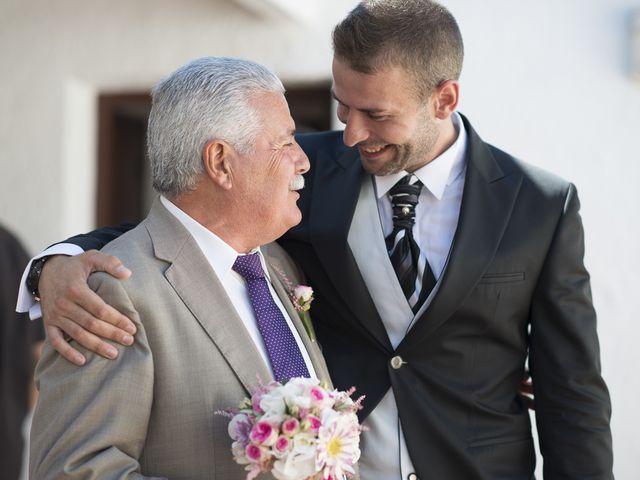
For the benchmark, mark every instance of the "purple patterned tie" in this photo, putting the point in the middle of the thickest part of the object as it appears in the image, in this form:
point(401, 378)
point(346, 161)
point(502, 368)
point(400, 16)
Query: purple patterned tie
point(285, 356)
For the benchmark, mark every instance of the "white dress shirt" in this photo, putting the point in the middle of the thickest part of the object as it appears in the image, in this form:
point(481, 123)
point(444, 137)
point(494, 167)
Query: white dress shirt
point(384, 451)
point(221, 257)
point(26, 301)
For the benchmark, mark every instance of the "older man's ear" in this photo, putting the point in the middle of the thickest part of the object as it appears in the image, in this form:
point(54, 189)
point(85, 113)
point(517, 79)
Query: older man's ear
point(216, 159)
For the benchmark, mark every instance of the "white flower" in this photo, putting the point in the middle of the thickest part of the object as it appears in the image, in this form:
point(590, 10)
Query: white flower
point(296, 393)
point(272, 403)
point(238, 452)
point(300, 462)
point(338, 443)
point(321, 398)
point(303, 293)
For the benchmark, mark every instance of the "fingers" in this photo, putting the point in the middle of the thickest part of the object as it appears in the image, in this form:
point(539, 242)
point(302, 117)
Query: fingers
point(56, 338)
point(526, 391)
point(88, 340)
point(98, 318)
point(100, 262)
point(89, 310)
point(70, 306)
point(83, 337)
point(526, 387)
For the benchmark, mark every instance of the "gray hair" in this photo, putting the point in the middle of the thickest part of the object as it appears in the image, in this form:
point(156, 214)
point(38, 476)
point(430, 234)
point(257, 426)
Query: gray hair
point(419, 35)
point(203, 100)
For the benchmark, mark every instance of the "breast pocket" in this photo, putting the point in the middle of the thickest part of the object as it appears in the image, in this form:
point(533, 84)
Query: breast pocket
point(491, 278)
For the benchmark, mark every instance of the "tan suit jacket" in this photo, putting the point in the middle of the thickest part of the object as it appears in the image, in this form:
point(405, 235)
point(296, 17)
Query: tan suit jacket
point(151, 412)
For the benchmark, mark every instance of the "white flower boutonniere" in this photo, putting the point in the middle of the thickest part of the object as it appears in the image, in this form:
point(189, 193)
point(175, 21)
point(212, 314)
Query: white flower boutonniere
point(301, 297)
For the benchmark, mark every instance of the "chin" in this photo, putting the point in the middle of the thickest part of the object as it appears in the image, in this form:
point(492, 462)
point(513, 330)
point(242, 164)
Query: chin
point(381, 170)
point(380, 167)
point(296, 219)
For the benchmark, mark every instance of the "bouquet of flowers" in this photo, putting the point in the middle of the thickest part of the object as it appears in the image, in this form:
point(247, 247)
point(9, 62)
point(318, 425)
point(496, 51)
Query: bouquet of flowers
point(297, 430)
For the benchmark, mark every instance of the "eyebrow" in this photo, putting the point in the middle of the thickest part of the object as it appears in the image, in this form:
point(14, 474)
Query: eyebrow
point(286, 136)
point(365, 110)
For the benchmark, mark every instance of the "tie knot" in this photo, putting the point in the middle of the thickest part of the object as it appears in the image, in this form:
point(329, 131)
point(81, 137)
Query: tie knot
point(404, 198)
point(249, 266)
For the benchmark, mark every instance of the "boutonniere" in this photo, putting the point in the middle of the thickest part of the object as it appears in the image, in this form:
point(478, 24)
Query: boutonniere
point(301, 297)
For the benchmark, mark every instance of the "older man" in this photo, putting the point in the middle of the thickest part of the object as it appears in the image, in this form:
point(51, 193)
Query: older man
point(227, 168)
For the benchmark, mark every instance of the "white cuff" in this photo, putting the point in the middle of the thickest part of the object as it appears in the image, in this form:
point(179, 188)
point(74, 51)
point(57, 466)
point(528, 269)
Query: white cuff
point(26, 302)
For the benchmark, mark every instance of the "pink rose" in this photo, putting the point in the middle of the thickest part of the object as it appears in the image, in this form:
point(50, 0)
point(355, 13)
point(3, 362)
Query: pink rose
point(316, 394)
point(282, 444)
point(311, 422)
point(255, 453)
point(290, 426)
point(263, 433)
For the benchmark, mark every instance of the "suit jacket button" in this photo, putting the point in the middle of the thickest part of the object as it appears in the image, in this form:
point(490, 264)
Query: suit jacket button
point(412, 476)
point(397, 362)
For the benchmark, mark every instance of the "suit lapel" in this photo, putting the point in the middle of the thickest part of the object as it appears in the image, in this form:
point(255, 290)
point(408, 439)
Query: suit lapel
point(199, 288)
point(487, 202)
point(331, 212)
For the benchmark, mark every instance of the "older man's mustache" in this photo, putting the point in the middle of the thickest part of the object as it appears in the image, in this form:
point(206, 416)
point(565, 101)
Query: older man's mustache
point(297, 183)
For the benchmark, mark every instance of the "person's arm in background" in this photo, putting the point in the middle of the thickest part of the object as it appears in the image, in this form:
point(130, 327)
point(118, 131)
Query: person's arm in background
point(68, 305)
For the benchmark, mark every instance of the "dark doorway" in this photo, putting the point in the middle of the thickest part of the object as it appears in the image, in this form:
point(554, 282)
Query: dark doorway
point(124, 190)
point(122, 127)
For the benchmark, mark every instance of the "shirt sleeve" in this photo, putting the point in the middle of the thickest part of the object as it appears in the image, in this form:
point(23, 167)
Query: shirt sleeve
point(26, 301)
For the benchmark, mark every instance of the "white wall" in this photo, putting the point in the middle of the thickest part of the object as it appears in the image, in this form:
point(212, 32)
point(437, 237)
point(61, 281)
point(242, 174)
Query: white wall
point(547, 81)
point(56, 57)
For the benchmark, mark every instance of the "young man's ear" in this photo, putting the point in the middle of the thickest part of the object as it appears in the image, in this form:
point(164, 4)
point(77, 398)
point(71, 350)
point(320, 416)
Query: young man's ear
point(446, 99)
point(216, 160)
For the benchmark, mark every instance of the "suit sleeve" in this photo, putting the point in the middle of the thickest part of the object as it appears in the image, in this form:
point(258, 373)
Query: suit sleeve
point(100, 237)
point(91, 422)
point(573, 408)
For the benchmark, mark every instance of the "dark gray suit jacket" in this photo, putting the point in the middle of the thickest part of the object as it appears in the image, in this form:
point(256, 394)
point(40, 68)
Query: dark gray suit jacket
point(515, 286)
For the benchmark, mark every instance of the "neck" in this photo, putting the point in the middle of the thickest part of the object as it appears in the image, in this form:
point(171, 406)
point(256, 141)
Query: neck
point(211, 215)
point(447, 137)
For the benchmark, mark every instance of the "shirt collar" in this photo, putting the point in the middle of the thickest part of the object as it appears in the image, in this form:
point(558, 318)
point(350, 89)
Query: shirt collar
point(439, 172)
point(220, 255)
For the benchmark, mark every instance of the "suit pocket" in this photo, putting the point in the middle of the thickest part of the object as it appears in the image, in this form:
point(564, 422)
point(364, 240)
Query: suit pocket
point(506, 458)
point(502, 277)
point(486, 442)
